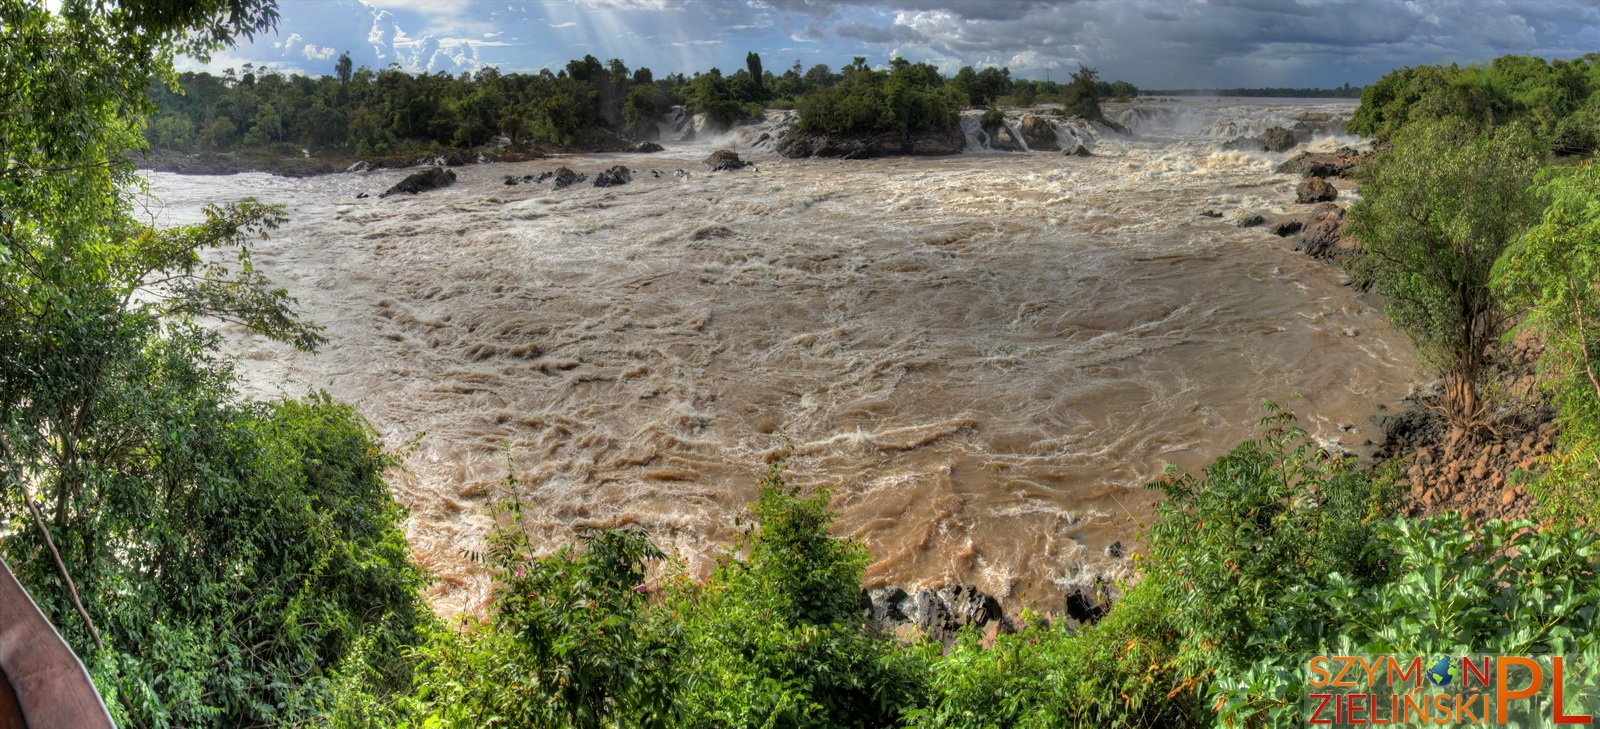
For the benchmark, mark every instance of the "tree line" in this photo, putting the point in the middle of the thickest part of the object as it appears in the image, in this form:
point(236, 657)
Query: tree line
point(587, 103)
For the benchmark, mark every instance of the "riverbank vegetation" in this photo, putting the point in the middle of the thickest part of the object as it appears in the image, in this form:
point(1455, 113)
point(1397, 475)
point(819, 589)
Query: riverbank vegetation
point(222, 561)
point(256, 113)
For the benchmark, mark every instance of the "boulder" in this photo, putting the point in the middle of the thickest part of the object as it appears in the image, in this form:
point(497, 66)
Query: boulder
point(1039, 132)
point(724, 159)
point(359, 165)
point(1278, 139)
point(565, 178)
point(1208, 213)
point(1320, 236)
point(1285, 226)
point(647, 147)
point(1250, 221)
point(1077, 150)
point(432, 178)
point(1314, 190)
point(614, 177)
point(1342, 162)
point(1001, 138)
point(936, 615)
point(1244, 144)
point(1316, 124)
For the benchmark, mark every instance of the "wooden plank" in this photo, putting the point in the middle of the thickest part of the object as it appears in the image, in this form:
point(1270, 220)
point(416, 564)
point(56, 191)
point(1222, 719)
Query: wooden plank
point(52, 689)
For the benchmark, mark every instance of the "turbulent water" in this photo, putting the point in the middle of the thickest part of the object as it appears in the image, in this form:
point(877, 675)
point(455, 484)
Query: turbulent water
point(984, 356)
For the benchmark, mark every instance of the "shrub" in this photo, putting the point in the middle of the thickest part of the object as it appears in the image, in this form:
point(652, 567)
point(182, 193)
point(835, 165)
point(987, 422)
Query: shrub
point(1436, 212)
point(777, 639)
point(1550, 272)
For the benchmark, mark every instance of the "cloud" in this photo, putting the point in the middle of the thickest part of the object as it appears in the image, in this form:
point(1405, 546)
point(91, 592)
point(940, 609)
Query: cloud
point(313, 52)
point(568, 24)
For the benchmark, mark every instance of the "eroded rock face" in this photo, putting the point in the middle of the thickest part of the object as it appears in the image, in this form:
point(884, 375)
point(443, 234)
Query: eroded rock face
point(1039, 133)
point(1320, 236)
point(1342, 162)
point(565, 178)
point(1315, 190)
point(614, 177)
point(725, 159)
point(1278, 139)
point(936, 615)
point(795, 143)
point(1001, 138)
point(432, 178)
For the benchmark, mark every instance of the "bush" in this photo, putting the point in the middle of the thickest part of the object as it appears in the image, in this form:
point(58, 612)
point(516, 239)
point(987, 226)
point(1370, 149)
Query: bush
point(1550, 272)
point(777, 639)
point(1436, 212)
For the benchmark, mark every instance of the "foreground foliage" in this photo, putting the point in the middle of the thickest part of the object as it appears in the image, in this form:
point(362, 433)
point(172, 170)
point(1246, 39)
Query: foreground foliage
point(208, 557)
point(1275, 552)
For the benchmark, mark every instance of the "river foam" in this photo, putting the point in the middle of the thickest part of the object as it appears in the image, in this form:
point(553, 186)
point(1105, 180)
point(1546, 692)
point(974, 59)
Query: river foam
point(983, 357)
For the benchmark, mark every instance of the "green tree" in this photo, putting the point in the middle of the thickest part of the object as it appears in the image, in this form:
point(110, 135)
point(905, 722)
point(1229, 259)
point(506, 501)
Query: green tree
point(1436, 212)
point(207, 557)
point(1552, 274)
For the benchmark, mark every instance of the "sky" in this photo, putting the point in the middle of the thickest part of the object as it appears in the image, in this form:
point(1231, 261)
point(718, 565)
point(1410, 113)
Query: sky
point(1152, 43)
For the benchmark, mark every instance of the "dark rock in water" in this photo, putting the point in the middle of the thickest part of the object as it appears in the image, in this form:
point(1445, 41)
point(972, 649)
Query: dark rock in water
point(882, 604)
point(1315, 189)
point(1077, 150)
point(1001, 138)
point(1320, 236)
point(1245, 144)
point(545, 176)
point(1316, 124)
point(655, 173)
point(1210, 214)
point(967, 606)
point(512, 179)
point(359, 166)
point(795, 143)
point(1285, 226)
point(936, 614)
point(432, 178)
point(724, 159)
point(1342, 162)
point(1278, 139)
point(565, 178)
point(936, 142)
point(1250, 221)
point(1089, 603)
point(361, 196)
point(647, 147)
point(617, 175)
point(1039, 133)
point(1116, 551)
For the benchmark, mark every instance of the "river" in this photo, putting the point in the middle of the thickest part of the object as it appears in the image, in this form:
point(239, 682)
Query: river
point(983, 357)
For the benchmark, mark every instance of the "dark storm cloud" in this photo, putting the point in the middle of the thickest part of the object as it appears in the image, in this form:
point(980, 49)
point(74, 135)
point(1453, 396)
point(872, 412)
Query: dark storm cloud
point(1209, 42)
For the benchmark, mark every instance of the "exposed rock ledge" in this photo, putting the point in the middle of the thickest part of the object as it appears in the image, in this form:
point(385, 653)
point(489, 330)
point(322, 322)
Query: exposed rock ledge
point(939, 615)
point(795, 143)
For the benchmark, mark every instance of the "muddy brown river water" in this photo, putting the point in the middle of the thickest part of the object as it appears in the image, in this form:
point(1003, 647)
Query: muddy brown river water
point(984, 357)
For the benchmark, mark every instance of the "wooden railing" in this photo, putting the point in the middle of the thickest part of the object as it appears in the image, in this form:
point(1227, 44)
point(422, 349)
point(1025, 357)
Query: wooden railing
point(42, 683)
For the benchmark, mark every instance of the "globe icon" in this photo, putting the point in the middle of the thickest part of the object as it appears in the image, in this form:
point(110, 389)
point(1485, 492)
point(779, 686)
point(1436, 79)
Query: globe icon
point(1443, 671)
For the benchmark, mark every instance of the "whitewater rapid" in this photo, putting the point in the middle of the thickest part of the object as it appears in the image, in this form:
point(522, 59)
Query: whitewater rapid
point(983, 357)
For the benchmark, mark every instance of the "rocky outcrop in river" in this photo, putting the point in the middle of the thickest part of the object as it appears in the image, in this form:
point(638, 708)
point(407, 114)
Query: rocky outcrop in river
point(432, 178)
point(795, 143)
